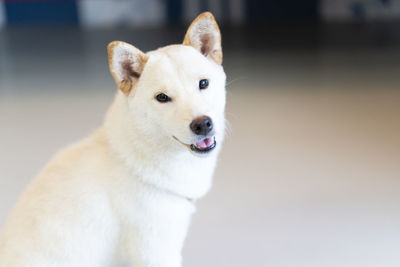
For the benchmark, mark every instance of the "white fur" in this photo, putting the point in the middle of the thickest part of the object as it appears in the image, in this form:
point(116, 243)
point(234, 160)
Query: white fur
point(121, 195)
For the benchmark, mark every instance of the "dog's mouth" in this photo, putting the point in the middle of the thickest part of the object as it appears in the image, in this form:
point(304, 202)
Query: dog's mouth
point(203, 146)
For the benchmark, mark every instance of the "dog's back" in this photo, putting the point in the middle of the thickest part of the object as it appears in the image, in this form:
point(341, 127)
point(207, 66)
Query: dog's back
point(64, 216)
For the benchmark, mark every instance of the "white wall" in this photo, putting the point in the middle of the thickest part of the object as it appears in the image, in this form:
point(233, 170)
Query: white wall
point(111, 13)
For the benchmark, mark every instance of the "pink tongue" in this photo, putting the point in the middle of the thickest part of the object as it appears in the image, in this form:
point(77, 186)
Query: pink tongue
point(204, 143)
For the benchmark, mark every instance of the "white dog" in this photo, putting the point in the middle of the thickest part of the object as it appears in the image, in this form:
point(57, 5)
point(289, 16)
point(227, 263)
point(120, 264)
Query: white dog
point(125, 194)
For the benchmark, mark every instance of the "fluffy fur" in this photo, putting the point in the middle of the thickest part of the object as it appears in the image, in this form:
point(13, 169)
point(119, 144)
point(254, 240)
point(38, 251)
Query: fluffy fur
point(125, 193)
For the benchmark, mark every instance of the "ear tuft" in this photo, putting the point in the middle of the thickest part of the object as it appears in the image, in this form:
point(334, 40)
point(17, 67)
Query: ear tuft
point(205, 36)
point(126, 64)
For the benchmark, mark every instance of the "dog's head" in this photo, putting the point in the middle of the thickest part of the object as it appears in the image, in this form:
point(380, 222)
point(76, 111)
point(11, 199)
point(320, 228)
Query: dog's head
point(176, 93)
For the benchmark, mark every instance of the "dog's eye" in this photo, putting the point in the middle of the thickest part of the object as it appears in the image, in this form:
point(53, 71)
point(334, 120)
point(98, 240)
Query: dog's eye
point(163, 98)
point(203, 84)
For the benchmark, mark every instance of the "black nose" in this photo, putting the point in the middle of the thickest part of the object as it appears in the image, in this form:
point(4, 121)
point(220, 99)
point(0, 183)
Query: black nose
point(201, 125)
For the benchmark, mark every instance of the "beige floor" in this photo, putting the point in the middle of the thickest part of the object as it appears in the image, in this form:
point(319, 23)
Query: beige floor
point(310, 171)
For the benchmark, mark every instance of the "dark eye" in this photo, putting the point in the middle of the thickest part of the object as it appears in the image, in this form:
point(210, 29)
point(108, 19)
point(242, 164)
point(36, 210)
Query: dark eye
point(203, 84)
point(163, 98)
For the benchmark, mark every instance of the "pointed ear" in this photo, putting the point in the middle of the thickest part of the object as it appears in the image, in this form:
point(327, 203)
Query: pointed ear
point(204, 35)
point(126, 64)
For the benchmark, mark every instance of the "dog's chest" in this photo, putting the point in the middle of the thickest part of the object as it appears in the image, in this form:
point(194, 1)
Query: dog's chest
point(159, 219)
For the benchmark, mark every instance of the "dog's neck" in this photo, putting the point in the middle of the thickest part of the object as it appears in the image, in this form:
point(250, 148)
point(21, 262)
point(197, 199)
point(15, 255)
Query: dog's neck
point(167, 167)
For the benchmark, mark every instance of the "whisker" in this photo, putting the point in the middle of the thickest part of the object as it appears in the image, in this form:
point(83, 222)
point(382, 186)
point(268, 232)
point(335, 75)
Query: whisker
point(231, 114)
point(228, 128)
point(236, 79)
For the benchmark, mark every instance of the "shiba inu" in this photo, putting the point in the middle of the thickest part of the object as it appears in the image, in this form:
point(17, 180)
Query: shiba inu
point(126, 193)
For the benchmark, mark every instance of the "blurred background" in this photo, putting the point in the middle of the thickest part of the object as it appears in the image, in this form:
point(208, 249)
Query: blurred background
point(310, 171)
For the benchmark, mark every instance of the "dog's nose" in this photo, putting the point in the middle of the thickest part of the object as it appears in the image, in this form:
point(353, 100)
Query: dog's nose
point(201, 125)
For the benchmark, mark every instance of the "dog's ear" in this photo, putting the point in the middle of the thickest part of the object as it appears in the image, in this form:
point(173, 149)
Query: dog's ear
point(204, 35)
point(126, 64)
